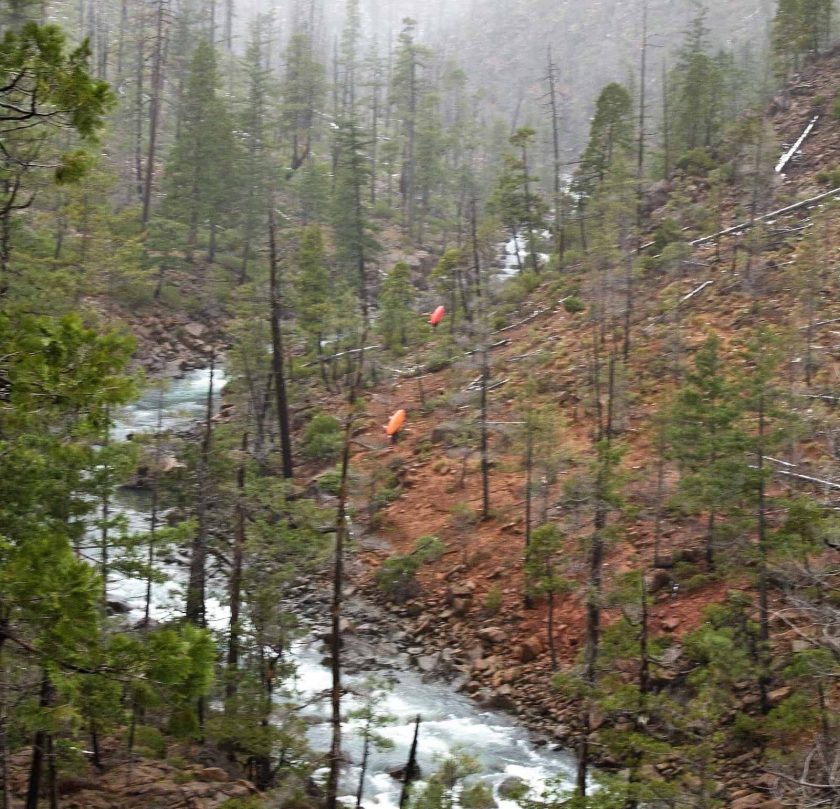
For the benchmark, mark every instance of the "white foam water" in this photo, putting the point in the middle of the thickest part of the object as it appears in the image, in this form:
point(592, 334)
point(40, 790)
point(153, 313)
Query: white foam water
point(450, 720)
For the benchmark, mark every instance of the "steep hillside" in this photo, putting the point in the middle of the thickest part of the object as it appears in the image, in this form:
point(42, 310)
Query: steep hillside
point(469, 612)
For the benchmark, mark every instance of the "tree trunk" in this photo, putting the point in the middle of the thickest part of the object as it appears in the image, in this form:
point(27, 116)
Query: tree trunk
point(5, 786)
point(236, 577)
point(485, 458)
point(596, 561)
point(335, 757)
point(559, 245)
point(640, 157)
point(154, 113)
point(197, 582)
point(39, 748)
point(360, 790)
point(763, 585)
point(528, 602)
point(552, 646)
point(411, 765)
point(138, 103)
point(277, 351)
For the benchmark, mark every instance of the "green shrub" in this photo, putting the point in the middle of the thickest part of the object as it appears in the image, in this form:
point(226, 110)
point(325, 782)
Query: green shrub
point(428, 548)
point(251, 802)
point(493, 600)
point(696, 162)
point(573, 304)
point(396, 577)
point(829, 177)
point(330, 481)
point(149, 742)
point(463, 515)
point(322, 438)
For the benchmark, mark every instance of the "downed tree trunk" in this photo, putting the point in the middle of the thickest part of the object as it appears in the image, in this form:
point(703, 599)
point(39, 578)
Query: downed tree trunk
point(788, 155)
point(805, 203)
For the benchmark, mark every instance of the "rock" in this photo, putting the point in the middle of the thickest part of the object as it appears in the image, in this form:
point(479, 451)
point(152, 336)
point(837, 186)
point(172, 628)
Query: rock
point(512, 787)
point(501, 699)
point(670, 624)
point(214, 774)
point(462, 590)
point(445, 432)
point(493, 634)
point(398, 773)
point(461, 606)
point(657, 580)
point(767, 781)
point(427, 663)
point(169, 463)
point(530, 649)
point(779, 695)
point(118, 608)
point(196, 330)
point(561, 732)
point(753, 799)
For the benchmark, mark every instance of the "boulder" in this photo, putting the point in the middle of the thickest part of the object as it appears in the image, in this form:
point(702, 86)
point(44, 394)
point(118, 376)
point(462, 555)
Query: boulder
point(445, 433)
point(670, 624)
point(501, 699)
point(530, 649)
point(493, 634)
point(427, 663)
point(513, 787)
point(118, 608)
point(779, 695)
point(657, 580)
point(214, 774)
point(753, 799)
point(398, 773)
point(195, 330)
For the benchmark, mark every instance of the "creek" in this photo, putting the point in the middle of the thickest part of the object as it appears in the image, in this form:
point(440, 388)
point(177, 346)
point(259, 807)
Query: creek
point(450, 720)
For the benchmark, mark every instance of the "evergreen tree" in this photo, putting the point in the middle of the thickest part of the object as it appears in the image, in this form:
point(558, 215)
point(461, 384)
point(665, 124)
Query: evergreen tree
point(610, 136)
point(302, 91)
point(354, 239)
point(198, 171)
point(708, 443)
point(395, 312)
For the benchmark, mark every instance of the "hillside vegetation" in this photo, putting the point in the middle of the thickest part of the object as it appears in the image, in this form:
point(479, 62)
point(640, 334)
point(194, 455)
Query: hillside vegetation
point(571, 426)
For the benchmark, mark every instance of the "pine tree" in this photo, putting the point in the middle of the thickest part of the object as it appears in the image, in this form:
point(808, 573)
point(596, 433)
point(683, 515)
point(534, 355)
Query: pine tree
point(198, 171)
point(542, 576)
point(395, 312)
point(610, 136)
point(707, 441)
point(354, 240)
point(302, 91)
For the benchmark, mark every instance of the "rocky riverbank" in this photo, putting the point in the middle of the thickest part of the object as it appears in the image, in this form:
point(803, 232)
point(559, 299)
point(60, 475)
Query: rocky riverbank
point(487, 661)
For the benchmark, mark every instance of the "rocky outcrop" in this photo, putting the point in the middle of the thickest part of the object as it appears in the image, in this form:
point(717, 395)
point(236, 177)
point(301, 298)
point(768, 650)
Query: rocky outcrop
point(141, 784)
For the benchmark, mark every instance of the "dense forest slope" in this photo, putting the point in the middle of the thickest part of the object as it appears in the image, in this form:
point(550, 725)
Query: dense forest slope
point(597, 488)
point(467, 610)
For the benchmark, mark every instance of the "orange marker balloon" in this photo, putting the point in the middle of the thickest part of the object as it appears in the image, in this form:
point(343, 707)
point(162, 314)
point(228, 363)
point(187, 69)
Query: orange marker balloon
point(396, 422)
point(437, 315)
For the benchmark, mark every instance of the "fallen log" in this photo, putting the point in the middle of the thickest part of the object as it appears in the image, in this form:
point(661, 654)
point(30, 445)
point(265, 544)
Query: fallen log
point(805, 203)
point(340, 354)
point(785, 158)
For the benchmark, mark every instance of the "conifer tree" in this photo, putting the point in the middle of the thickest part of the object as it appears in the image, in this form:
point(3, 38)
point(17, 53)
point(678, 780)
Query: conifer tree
point(355, 242)
point(610, 136)
point(198, 178)
point(395, 312)
point(707, 441)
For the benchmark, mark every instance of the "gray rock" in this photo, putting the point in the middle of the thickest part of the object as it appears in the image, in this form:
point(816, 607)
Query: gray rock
point(427, 663)
point(512, 787)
